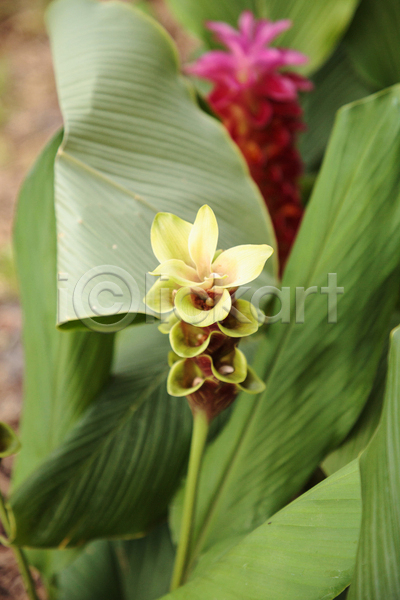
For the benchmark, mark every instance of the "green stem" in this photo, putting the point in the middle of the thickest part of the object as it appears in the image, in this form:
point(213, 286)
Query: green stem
point(3, 516)
point(19, 554)
point(26, 573)
point(199, 437)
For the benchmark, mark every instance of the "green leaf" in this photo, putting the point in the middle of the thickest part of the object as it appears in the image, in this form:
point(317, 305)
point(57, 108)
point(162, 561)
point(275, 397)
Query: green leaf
point(146, 565)
point(318, 374)
point(373, 42)
point(136, 143)
point(94, 575)
point(120, 465)
point(317, 26)
point(63, 371)
point(335, 84)
point(133, 570)
point(365, 427)
point(377, 575)
point(306, 551)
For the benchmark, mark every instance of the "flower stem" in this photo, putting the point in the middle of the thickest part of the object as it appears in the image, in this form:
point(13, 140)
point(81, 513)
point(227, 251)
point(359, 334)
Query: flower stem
point(22, 561)
point(199, 436)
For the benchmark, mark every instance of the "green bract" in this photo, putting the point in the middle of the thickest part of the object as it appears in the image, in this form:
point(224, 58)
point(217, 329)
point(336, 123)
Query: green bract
point(187, 341)
point(242, 320)
point(184, 378)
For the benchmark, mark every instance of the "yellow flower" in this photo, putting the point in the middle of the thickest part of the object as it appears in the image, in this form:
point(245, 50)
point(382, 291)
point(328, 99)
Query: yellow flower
point(195, 278)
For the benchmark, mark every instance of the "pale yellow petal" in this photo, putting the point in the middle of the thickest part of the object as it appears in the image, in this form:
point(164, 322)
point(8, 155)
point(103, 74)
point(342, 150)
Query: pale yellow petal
point(167, 322)
point(160, 297)
point(170, 238)
point(190, 312)
point(203, 240)
point(178, 271)
point(242, 264)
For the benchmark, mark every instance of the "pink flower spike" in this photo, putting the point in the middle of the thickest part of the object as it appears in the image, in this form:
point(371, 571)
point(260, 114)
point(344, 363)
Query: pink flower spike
point(255, 94)
point(249, 57)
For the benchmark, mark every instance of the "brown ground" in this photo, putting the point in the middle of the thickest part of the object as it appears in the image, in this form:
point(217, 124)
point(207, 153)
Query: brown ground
point(29, 115)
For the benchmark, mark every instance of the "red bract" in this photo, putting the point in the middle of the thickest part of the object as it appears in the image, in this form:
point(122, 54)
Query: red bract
point(258, 103)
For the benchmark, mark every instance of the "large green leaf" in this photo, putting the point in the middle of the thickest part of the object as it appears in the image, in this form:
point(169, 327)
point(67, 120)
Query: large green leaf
point(133, 570)
point(373, 42)
point(377, 575)
point(336, 84)
point(365, 427)
point(136, 143)
point(317, 26)
point(306, 551)
point(318, 374)
point(63, 372)
point(120, 465)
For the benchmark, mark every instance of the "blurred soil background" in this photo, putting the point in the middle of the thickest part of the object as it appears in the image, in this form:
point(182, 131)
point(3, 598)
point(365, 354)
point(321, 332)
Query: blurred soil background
point(29, 115)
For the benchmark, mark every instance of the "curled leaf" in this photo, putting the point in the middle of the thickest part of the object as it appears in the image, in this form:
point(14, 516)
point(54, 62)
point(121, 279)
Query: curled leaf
point(9, 442)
